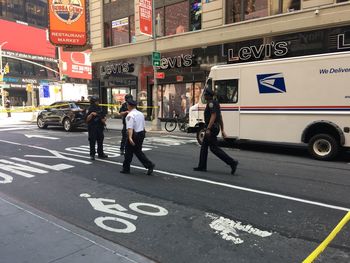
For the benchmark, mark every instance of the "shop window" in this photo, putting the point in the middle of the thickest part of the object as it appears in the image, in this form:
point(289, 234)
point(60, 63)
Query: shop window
point(15, 67)
point(226, 90)
point(107, 34)
point(177, 18)
point(240, 10)
point(27, 69)
point(195, 15)
point(160, 22)
point(132, 29)
point(120, 31)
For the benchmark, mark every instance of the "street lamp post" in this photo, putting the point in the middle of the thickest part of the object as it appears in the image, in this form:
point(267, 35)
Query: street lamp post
point(155, 122)
point(1, 72)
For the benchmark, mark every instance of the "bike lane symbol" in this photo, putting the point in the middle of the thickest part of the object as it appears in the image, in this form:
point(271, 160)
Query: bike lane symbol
point(121, 214)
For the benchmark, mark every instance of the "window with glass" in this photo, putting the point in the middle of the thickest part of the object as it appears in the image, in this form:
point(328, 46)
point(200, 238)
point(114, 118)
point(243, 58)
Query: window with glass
point(195, 15)
point(177, 18)
point(119, 31)
point(226, 90)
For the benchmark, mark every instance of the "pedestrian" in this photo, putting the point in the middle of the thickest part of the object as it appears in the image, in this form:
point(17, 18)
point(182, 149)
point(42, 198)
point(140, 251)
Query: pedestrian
point(123, 111)
point(135, 124)
point(8, 106)
point(96, 121)
point(213, 122)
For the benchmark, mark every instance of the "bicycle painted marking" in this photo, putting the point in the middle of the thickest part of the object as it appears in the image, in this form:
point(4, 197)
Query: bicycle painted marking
point(121, 214)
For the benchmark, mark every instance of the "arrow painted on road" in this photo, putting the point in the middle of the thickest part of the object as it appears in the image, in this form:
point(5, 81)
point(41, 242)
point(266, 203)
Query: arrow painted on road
point(40, 136)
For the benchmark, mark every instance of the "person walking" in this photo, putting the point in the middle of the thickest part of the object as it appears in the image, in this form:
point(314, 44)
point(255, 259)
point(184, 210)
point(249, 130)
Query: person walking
point(96, 121)
point(8, 106)
point(135, 124)
point(213, 121)
point(123, 111)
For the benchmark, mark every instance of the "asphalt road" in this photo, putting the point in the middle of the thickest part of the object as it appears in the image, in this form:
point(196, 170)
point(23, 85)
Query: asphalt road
point(278, 208)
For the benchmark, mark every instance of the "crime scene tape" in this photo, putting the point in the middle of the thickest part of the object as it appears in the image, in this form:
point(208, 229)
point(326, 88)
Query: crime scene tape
point(326, 242)
point(39, 108)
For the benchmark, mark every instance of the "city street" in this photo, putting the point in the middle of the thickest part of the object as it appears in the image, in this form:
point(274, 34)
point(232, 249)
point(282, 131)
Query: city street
point(278, 208)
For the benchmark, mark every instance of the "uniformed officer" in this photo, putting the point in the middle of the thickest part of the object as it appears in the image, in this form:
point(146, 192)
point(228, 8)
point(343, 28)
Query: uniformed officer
point(213, 121)
point(135, 123)
point(123, 111)
point(96, 121)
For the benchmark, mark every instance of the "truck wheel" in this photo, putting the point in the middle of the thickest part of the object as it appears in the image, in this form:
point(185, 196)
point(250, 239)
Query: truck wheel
point(41, 123)
point(67, 124)
point(323, 147)
point(200, 135)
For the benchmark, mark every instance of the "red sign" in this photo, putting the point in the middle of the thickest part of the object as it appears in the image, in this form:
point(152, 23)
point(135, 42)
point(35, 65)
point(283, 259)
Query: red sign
point(145, 11)
point(25, 39)
point(76, 64)
point(67, 22)
point(160, 75)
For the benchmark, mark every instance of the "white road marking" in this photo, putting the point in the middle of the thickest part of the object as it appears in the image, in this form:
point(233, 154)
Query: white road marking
point(41, 136)
point(228, 229)
point(231, 186)
point(13, 129)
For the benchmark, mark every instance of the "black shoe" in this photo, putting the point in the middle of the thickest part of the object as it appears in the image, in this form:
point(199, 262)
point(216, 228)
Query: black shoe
point(234, 167)
point(150, 169)
point(92, 157)
point(124, 172)
point(199, 169)
point(103, 156)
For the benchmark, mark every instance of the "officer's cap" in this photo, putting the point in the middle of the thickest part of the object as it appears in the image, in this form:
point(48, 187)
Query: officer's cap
point(132, 102)
point(208, 92)
point(128, 97)
point(94, 99)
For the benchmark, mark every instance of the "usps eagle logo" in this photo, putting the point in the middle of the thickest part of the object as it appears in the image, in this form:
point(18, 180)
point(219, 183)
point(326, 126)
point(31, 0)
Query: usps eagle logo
point(68, 11)
point(271, 83)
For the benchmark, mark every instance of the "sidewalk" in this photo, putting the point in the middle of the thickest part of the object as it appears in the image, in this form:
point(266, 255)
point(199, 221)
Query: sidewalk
point(28, 235)
point(112, 124)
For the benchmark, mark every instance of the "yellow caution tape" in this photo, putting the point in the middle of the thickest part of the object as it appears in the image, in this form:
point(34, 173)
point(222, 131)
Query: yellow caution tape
point(326, 242)
point(39, 108)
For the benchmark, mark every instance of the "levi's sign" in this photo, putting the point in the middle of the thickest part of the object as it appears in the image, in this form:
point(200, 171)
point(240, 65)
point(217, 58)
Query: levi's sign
point(278, 49)
point(177, 62)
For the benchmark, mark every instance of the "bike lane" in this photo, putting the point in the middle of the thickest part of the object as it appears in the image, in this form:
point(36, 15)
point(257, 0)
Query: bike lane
point(135, 215)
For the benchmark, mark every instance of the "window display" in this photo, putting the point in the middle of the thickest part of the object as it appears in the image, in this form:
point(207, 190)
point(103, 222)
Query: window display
point(120, 31)
point(196, 15)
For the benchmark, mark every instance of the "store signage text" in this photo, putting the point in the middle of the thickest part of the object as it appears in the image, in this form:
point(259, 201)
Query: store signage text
point(112, 69)
point(278, 49)
point(341, 42)
point(177, 62)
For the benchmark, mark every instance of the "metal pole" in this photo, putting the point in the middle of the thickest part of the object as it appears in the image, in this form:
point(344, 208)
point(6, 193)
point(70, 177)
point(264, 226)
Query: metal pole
point(155, 122)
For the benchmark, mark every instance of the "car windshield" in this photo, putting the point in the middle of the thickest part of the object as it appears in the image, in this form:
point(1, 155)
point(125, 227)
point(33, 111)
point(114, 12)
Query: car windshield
point(72, 105)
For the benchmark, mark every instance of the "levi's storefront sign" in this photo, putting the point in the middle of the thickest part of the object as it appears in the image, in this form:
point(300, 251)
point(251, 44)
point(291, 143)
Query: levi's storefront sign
point(145, 11)
point(67, 22)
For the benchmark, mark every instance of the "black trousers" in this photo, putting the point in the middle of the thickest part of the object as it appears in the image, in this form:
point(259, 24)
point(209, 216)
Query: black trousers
point(96, 135)
point(124, 139)
point(211, 141)
point(130, 150)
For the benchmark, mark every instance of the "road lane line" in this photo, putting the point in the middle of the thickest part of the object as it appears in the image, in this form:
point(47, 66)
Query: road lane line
point(231, 186)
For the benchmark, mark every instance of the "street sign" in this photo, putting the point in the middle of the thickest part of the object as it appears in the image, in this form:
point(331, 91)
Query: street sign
point(156, 59)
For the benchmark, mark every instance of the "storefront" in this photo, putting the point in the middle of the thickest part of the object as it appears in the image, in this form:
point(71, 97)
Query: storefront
point(182, 74)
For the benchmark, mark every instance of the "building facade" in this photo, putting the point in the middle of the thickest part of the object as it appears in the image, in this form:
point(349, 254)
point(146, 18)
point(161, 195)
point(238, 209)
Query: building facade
point(194, 35)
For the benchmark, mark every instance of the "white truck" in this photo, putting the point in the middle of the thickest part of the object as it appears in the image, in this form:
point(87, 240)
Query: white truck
point(291, 100)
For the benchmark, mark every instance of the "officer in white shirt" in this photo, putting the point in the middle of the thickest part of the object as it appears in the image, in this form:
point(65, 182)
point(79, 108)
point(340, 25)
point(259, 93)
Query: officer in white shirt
point(135, 124)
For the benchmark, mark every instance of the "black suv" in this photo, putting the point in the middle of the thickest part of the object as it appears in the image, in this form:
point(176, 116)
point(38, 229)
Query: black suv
point(69, 114)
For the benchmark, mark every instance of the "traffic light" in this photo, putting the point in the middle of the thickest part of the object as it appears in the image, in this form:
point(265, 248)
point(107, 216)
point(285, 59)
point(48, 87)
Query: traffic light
point(7, 68)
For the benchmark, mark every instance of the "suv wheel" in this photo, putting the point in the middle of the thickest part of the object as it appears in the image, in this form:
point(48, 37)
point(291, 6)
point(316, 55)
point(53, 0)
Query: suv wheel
point(41, 123)
point(67, 125)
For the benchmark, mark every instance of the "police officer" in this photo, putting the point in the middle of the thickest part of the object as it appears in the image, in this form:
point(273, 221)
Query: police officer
point(96, 121)
point(135, 124)
point(213, 121)
point(123, 111)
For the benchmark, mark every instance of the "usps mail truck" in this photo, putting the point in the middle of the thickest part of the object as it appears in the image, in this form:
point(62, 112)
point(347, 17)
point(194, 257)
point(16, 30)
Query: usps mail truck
point(292, 100)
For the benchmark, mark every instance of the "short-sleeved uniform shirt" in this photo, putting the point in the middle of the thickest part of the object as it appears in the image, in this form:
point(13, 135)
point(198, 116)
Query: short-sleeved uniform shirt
point(212, 107)
point(135, 120)
point(123, 108)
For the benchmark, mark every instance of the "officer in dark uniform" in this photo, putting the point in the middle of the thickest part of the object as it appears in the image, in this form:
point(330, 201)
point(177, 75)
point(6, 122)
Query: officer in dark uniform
point(135, 123)
point(123, 111)
point(96, 121)
point(213, 122)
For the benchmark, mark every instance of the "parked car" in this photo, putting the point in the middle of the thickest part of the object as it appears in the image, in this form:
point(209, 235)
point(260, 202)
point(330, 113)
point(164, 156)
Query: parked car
point(69, 114)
